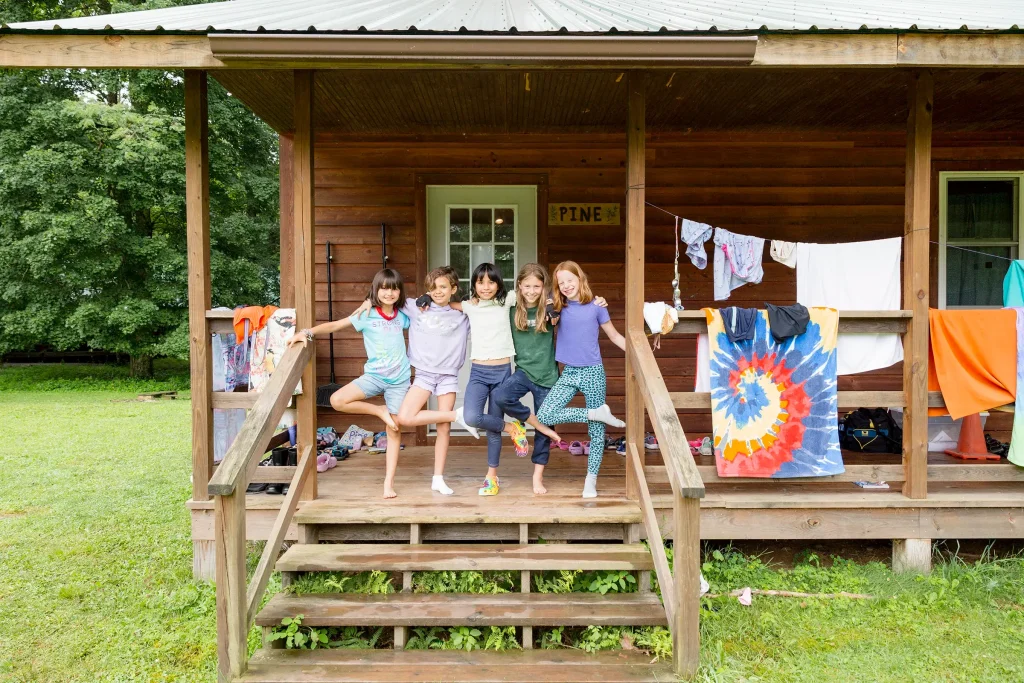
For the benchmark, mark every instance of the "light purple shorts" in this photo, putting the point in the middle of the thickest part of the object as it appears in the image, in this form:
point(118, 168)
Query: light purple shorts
point(436, 383)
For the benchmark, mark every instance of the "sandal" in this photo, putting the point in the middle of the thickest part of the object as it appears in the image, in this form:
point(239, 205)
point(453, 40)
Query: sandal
point(322, 461)
point(561, 445)
point(576, 448)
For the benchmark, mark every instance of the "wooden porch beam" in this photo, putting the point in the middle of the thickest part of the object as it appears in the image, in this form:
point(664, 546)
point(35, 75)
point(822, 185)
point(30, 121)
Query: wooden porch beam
point(197, 214)
point(304, 274)
point(46, 50)
point(636, 177)
point(917, 231)
point(287, 209)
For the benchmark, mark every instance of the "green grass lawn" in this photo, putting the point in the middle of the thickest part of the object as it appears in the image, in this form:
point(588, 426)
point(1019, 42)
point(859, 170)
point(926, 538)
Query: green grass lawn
point(96, 584)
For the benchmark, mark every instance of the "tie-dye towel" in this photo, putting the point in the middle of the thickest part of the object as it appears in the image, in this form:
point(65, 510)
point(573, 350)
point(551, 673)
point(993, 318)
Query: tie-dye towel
point(774, 407)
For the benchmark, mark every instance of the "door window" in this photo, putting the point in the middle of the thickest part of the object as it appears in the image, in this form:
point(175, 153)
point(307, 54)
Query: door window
point(482, 234)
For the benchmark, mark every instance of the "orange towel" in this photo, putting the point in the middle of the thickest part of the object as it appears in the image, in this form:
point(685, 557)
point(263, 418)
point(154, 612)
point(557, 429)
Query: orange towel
point(257, 317)
point(972, 359)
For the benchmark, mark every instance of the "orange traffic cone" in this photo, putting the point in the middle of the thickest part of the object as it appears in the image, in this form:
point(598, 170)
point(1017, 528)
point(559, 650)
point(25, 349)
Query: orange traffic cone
point(971, 445)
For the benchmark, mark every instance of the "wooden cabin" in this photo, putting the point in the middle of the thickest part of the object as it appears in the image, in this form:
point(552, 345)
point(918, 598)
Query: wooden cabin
point(400, 129)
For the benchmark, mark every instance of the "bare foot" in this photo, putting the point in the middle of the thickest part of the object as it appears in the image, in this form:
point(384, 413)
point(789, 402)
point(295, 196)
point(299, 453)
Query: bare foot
point(389, 492)
point(538, 486)
point(543, 428)
point(386, 417)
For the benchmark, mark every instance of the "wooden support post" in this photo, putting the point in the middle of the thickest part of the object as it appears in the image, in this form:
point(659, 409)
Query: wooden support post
point(204, 560)
point(232, 628)
point(287, 182)
point(197, 217)
point(304, 240)
point(686, 575)
point(636, 178)
point(912, 555)
point(524, 587)
point(917, 232)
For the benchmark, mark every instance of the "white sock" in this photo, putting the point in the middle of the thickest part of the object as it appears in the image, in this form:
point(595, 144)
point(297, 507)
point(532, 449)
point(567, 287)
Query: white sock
point(590, 486)
point(604, 414)
point(437, 484)
point(460, 421)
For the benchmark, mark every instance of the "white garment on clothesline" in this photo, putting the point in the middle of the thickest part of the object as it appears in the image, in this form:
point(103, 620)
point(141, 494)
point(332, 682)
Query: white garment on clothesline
point(784, 252)
point(702, 381)
point(854, 276)
point(737, 261)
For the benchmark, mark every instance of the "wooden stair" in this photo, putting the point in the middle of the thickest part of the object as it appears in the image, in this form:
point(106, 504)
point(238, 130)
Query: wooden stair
point(394, 666)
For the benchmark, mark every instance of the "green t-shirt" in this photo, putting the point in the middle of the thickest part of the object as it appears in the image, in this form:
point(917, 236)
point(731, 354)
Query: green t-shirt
point(535, 353)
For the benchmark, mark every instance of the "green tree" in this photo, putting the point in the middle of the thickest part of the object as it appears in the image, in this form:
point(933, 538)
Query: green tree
point(92, 206)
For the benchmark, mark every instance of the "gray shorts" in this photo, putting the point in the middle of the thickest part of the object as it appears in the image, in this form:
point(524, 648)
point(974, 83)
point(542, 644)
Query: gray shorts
point(394, 394)
point(436, 383)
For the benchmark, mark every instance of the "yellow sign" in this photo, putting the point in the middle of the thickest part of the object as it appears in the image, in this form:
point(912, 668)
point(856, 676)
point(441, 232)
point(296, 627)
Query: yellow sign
point(583, 214)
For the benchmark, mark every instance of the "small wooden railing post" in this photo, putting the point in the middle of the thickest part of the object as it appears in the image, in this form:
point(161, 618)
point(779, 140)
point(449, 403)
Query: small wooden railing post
point(686, 575)
point(232, 622)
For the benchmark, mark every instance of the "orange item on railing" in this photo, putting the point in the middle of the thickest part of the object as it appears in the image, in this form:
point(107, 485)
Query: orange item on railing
point(257, 317)
point(972, 359)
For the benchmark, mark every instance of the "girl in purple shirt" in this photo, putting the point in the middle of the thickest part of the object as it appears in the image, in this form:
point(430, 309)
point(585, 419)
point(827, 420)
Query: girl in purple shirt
point(576, 346)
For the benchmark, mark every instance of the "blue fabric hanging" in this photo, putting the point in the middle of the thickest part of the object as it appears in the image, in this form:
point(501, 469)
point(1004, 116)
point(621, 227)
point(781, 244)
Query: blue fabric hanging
point(1013, 286)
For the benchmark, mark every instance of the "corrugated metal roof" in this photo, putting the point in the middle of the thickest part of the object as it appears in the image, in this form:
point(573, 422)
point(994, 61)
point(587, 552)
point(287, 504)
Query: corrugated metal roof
point(574, 16)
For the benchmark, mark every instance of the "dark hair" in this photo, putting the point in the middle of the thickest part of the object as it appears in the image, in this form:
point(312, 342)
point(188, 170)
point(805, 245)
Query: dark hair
point(388, 278)
point(494, 275)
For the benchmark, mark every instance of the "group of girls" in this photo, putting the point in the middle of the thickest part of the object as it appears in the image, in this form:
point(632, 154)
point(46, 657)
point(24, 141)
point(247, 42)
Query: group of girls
point(504, 325)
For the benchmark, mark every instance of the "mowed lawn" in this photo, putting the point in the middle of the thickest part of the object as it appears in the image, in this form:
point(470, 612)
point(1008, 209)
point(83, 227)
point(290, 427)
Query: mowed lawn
point(96, 584)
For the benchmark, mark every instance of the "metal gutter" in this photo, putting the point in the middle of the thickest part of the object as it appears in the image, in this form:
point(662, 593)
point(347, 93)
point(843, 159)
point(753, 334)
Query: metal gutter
point(491, 49)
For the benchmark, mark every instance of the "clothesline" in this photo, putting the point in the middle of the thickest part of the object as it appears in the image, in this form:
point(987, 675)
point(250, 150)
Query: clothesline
point(950, 246)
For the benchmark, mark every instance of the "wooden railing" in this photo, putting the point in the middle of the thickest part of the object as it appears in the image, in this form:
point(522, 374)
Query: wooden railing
point(237, 604)
point(680, 590)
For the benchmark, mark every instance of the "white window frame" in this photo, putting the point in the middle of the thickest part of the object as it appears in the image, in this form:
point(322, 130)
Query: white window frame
point(1014, 245)
point(514, 208)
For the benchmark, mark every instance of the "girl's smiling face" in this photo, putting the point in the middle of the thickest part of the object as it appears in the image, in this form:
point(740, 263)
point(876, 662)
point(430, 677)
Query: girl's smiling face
point(531, 289)
point(442, 291)
point(388, 297)
point(486, 288)
point(568, 285)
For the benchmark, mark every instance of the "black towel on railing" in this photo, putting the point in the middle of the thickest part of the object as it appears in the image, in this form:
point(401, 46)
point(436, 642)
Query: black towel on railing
point(739, 323)
point(787, 321)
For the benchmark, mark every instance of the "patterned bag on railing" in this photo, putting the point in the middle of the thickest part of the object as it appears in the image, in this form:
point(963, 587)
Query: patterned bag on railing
point(774, 405)
point(269, 346)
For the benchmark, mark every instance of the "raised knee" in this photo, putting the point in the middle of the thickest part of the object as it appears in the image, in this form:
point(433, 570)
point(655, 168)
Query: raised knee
point(405, 416)
point(336, 402)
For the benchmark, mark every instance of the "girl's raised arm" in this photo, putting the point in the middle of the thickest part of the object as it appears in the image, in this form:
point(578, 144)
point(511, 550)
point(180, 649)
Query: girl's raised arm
point(613, 334)
point(301, 336)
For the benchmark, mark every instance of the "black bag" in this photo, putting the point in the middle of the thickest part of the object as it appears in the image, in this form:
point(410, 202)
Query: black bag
point(870, 430)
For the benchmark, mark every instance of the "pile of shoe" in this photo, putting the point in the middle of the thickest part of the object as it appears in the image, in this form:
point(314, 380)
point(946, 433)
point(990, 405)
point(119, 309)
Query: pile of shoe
point(996, 447)
point(282, 456)
point(330, 450)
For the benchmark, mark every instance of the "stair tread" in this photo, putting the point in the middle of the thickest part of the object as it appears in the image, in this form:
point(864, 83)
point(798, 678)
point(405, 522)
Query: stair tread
point(458, 609)
point(392, 666)
point(508, 511)
point(480, 557)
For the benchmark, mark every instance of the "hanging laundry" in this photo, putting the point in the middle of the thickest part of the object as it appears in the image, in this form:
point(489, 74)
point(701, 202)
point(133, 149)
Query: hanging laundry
point(1013, 285)
point(702, 379)
point(774, 407)
point(257, 317)
point(230, 362)
point(737, 261)
point(858, 276)
point(269, 346)
point(226, 425)
point(787, 321)
point(1016, 454)
point(695, 234)
point(660, 317)
point(972, 359)
point(784, 252)
point(739, 323)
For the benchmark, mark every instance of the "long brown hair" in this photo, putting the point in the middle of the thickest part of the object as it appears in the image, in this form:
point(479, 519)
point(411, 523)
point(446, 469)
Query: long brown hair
point(521, 320)
point(585, 295)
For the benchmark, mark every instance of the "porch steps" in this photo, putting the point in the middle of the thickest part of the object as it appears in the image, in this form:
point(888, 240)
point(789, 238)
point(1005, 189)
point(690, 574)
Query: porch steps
point(509, 510)
point(394, 666)
point(445, 609)
point(357, 557)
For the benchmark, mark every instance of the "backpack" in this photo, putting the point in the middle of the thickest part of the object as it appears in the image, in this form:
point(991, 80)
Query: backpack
point(870, 430)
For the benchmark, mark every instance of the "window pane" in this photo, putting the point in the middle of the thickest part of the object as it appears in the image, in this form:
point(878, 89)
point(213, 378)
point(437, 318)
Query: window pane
point(464, 289)
point(973, 279)
point(459, 259)
point(504, 225)
point(504, 258)
point(481, 225)
point(458, 225)
point(981, 209)
point(482, 253)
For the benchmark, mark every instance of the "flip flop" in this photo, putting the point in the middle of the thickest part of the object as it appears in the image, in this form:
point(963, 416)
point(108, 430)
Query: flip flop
point(561, 445)
point(576, 448)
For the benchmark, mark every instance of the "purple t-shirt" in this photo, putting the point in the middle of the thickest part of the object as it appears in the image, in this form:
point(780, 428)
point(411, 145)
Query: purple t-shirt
point(578, 330)
point(437, 338)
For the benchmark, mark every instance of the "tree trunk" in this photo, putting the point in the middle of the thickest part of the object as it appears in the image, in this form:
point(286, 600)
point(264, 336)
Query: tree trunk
point(141, 366)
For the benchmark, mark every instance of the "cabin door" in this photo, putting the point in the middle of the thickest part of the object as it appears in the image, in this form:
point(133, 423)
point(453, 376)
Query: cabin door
point(472, 224)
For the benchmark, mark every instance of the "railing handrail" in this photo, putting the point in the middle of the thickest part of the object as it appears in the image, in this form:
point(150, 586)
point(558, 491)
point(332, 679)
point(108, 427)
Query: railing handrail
point(682, 470)
point(240, 460)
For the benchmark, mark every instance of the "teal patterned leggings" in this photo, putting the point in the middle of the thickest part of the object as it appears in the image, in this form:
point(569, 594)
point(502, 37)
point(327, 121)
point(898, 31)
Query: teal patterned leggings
point(591, 381)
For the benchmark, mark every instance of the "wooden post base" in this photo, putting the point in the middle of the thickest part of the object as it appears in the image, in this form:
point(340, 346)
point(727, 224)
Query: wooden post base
point(912, 555)
point(204, 560)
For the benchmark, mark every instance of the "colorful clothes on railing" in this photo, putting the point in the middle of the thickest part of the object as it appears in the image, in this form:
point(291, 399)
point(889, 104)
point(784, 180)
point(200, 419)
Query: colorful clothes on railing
point(774, 405)
point(230, 362)
point(269, 346)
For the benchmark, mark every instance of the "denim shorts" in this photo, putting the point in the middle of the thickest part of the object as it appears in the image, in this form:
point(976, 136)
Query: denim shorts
point(436, 383)
point(394, 394)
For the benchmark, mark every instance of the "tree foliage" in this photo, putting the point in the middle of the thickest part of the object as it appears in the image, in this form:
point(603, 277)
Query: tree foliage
point(92, 205)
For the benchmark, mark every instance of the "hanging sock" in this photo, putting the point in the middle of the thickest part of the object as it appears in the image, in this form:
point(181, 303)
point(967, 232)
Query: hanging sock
point(784, 252)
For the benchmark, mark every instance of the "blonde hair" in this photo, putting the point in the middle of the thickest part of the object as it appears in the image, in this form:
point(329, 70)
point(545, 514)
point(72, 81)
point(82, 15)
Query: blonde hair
point(521, 320)
point(585, 295)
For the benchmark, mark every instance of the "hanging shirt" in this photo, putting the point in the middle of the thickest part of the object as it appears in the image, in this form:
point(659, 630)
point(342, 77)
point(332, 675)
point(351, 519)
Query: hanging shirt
point(787, 321)
point(737, 261)
point(579, 328)
point(535, 351)
point(386, 358)
point(695, 234)
point(858, 276)
point(739, 323)
point(1013, 285)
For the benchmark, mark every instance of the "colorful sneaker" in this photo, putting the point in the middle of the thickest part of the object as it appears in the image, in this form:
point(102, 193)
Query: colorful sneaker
point(490, 487)
point(576, 448)
point(519, 438)
point(620, 448)
point(651, 442)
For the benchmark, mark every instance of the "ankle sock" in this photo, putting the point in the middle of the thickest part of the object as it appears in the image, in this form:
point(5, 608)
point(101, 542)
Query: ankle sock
point(437, 484)
point(604, 414)
point(460, 421)
point(590, 486)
